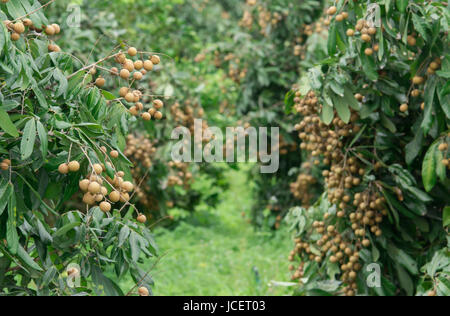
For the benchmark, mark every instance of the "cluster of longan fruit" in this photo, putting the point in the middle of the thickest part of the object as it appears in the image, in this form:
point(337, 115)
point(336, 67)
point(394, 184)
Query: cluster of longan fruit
point(131, 71)
point(185, 116)
point(5, 164)
point(301, 188)
point(18, 28)
point(180, 174)
point(343, 176)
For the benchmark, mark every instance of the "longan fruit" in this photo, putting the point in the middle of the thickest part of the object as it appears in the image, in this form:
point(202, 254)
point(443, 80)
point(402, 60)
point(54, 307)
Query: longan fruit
point(345, 15)
point(4, 166)
point(15, 37)
point(94, 188)
point(158, 104)
point(138, 75)
point(129, 97)
point(132, 51)
point(434, 65)
point(97, 168)
point(88, 199)
point(368, 51)
point(404, 107)
point(376, 47)
point(331, 10)
point(411, 40)
point(74, 166)
point(350, 32)
point(138, 64)
point(123, 91)
point(152, 111)
point(54, 48)
point(366, 38)
point(114, 71)
point(124, 74)
point(443, 147)
point(57, 28)
point(148, 65)
point(155, 59)
point(105, 207)
point(84, 185)
point(63, 168)
point(50, 30)
point(143, 291)
point(139, 106)
point(371, 31)
point(415, 93)
point(134, 111)
point(18, 27)
point(27, 22)
point(121, 174)
point(339, 17)
point(114, 196)
point(128, 186)
point(114, 154)
point(366, 243)
point(417, 80)
point(124, 197)
point(146, 116)
point(98, 198)
point(128, 65)
point(142, 218)
point(100, 82)
point(158, 115)
point(104, 191)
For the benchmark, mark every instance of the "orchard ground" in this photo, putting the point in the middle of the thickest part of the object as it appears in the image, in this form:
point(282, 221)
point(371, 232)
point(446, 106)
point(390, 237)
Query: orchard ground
point(220, 253)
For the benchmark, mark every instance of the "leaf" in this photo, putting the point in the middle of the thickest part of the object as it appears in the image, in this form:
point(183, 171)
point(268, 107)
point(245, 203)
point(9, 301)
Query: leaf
point(11, 232)
point(327, 114)
point(123, 235)
point(403, 259)
point(446, 216)
point(430, 89)
point(429, 168)
point(28, 139)
point(42, 132)
point(26, 259)
point(331, 44)
point(134, 246)
point(103, 284)
point(7, 125)
point(5, 195)
point(342, 108)
point(413, 149)
point(402, 5)
point(65, 229)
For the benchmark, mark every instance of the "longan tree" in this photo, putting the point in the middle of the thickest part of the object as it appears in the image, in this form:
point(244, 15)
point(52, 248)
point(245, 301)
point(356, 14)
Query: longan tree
point(375, 118)
point(65, 185)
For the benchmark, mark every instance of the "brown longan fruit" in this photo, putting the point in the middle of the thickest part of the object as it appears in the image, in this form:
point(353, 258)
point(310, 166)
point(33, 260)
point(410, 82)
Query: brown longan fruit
point(128, 186)
point(105, 206)
point(27, 22)
point(134, 111)
point(158, 115)
point(114, 71)
point(129, 97)
point(57, 28)
point(138, 75)
point(139, 106)
point(18, 27)
point(368, 51)
point(148, 65)
point(63, 168)
point(443, 147)
point(158, 104)
point(100, 82)
point(104, 191)
point(114, 154)
point(417, 80)
point(143, 291)
point(74, 166)
point(50, 30)
point(123, 91)
point(331, 10)
point(404, 107)
point(415, 93)
point(152, 111)
point(339, 17)
point(155, 59)
point(142, 218)
point(132, 51)
point(366, 38)
point(114, 196)
point(434, 65)
point(371, 31)
point(4, 166)
point(138, 64)
point(97, 168)
point(411, 40)
point(88, 199)
point(124, 197)
point(124, 74)
point(350, 32)
point(84, 185)
point(15, 36)
point(146, 116)
point(128, 65)
point(94, 188)
point(366, 243)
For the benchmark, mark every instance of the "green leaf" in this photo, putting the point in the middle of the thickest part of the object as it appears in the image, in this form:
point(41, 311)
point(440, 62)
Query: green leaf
point(429, 168)
point(342, 108)
point(446, 216)
point(5, 195)
point(65, 229)
point(28, 139)
point(403, 259)
point(430, 89)
point(134, 246)
point(7, 125)
point(27, 259)
point(11, 232)
point(42, 132)
point(402, 5)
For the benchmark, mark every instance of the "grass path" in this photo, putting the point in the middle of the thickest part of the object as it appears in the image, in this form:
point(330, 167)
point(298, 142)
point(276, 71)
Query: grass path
point(226, 256)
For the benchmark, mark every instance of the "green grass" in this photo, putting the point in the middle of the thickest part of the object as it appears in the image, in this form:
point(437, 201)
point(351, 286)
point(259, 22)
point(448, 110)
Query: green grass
point(225, 255)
